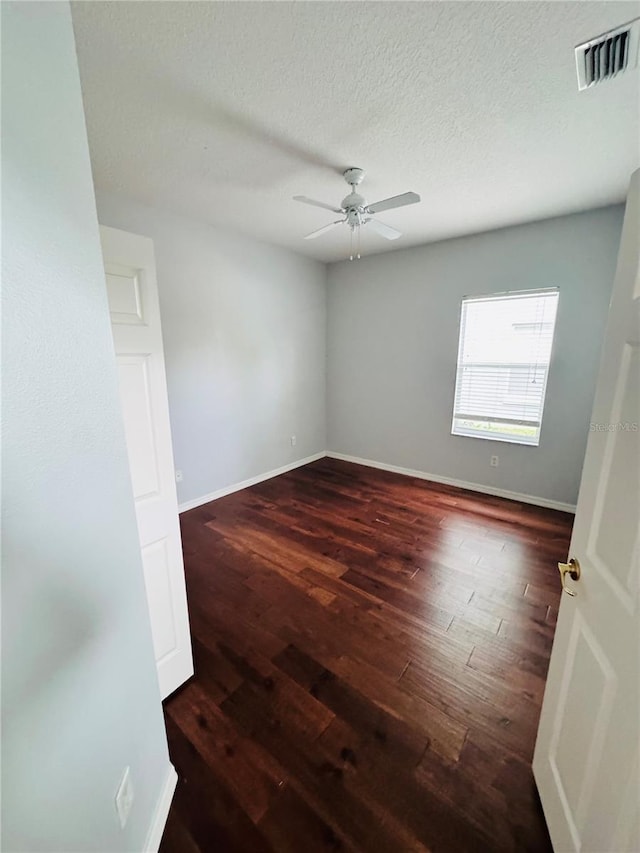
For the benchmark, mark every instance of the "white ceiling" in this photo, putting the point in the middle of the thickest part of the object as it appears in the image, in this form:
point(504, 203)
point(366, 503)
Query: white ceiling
point(225, 110)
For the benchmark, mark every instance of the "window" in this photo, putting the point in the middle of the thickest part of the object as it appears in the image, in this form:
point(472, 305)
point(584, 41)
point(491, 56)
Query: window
point(503, 362)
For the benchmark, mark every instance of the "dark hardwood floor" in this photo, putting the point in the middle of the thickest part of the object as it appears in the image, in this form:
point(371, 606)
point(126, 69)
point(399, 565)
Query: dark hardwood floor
point(370, 655)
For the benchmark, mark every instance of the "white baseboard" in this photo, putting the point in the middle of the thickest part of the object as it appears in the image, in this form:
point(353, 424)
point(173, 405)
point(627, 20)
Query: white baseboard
point(236, 487)
point(383, 466)
point(154, 836)
point(461, 484)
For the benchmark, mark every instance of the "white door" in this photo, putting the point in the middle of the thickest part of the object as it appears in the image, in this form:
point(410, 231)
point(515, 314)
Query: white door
point(586, 761)
point(137, 334)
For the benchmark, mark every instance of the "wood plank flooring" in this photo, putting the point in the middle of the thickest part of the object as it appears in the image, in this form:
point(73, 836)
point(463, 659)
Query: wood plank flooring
point(370, 655)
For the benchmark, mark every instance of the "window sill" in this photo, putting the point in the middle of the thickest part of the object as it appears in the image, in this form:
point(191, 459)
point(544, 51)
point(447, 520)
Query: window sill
point(497, 437)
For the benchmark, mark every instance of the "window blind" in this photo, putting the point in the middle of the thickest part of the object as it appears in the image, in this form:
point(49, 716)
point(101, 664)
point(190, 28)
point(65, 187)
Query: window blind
point(503, 363)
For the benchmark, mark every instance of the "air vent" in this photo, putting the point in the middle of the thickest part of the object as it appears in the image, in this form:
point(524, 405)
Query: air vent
point(607, 55)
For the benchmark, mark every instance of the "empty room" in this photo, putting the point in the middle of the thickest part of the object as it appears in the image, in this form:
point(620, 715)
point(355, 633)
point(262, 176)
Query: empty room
point(321, 426)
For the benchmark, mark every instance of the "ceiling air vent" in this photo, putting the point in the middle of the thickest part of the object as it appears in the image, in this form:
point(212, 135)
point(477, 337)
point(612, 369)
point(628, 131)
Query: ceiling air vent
point(607, 55)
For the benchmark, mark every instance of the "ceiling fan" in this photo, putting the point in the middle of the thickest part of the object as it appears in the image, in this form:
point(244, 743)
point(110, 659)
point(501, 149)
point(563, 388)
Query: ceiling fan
point(356, 212)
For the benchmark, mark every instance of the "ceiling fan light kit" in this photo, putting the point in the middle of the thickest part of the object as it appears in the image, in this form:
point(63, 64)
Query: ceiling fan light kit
point(356, 213)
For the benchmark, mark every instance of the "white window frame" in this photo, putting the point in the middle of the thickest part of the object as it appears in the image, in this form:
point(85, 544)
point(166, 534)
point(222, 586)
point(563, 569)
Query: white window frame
point(495, 435)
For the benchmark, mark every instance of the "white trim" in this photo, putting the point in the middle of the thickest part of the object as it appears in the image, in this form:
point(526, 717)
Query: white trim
point(383, 466)
point(236, 487)
point(512, 294)
point(154, 835)
point(461, 484)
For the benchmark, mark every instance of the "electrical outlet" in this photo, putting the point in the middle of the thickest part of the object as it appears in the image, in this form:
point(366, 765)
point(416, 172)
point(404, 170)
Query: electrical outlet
point(178, 476)
point(495, 461)
point(293, 441)
point(124, 798)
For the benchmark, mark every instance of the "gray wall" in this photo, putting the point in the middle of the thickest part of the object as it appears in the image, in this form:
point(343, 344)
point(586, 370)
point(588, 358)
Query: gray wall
point(393, 338)
point(80, 698)
point(244, 327)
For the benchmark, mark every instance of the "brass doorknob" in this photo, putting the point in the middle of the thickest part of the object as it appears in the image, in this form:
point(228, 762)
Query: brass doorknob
point(572, 568)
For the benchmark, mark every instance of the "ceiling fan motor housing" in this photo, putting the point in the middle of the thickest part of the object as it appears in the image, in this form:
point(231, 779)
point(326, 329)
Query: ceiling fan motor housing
point(353, 201)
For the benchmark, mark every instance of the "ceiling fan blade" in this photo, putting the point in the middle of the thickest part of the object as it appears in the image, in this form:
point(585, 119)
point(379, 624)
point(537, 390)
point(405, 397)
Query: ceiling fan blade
point(315, 203)
point(323, 229)
point(384, 230)
point(394, 201)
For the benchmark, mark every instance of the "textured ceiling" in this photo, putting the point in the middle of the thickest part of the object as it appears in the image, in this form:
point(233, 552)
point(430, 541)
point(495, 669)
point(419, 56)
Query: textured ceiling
point(225, 110)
